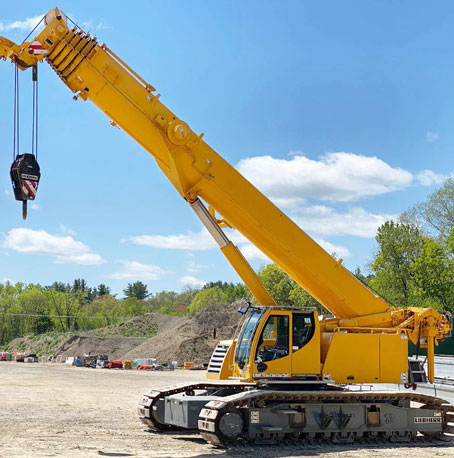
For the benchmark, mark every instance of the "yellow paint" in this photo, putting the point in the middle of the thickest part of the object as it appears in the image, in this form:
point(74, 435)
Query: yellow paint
point(353, 358)
point(307, 359)
point(393, 357)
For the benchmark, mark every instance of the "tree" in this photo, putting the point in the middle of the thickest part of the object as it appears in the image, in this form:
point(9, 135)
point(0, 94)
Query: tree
point(79, 284)
point(59, 286)
point(66, 307)
point(237, 291)
point(183, 299)
point(34, 304)
point(362, 277)
point(206, 297)
point(285, 290)
point(433, 275)
point(436, 214)
point(102, 290)
point(91, 294)
point(164, 300)
point(83, 291)
point(399, 245)
point(233, 291)
point(277, 282)
point(302, 299)
point(137, 290)
point(220, 284)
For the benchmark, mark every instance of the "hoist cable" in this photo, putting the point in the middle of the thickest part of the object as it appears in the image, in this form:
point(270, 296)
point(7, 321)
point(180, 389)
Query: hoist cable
point(70, 20)
point(33, 119)
point(34, 28)
point(14, 115)
point(36, 116)
point(18, 111)
point(35, 112)
point(16, 130)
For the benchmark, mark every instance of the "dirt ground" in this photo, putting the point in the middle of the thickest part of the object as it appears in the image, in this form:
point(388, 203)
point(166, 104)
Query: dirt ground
point(58, 410)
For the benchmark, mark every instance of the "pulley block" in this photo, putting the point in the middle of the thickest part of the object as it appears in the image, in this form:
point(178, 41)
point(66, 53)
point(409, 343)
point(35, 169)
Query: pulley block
point(25, 175)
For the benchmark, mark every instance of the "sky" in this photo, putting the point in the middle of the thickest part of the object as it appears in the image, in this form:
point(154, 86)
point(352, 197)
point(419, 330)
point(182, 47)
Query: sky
point(340, 112)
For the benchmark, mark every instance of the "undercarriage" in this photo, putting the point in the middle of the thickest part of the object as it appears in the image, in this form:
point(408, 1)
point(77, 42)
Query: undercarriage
point(230, 414)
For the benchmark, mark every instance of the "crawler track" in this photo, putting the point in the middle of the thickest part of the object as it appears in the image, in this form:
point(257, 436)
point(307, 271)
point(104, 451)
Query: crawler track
point(151, 404)
point(210, 423)
point(333, 426)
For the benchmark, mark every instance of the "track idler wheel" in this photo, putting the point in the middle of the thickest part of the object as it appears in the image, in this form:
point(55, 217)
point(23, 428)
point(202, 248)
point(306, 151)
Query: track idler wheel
point(231, 425)
point(445, 420)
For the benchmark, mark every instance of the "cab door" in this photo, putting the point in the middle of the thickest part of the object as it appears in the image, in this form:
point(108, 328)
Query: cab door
point(305, 345)
point(272, 357)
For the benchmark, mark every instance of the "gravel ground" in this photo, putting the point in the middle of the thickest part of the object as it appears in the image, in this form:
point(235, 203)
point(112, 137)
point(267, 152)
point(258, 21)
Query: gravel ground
point(59, 410)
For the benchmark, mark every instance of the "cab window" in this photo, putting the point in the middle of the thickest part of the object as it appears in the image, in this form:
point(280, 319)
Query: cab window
point(303, 329)
point(274, 340)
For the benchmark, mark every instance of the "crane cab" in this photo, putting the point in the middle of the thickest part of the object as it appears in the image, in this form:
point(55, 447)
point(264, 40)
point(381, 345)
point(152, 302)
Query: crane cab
point(278, 343)
point(282, 343)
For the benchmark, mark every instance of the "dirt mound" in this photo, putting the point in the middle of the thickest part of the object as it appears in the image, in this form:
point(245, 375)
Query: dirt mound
point(40, 344)
point(114, 347)
point(167, 338)
point(139, 326)
point(166, 322)
point(191, 340)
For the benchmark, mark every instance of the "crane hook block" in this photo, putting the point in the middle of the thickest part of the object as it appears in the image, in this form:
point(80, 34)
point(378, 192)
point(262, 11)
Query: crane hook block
point(25, 175)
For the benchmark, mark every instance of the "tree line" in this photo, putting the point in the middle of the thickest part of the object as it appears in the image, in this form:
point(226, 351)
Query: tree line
point(414, 263)
point(412, 266)
point(34, 309)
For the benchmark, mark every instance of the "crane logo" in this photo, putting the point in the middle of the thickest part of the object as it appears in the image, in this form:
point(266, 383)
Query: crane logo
point(427, 419)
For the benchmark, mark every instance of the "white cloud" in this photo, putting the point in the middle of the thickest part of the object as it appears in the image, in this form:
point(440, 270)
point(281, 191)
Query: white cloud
point(26, 25)
point(339, 177)
point(67, 230)
point(6, 280)
point(63, 250)
point(190, 241)
point(431, 136)
point(429, 178)
point(192, 281)
point(91, 26)
point(35, 206)
point(335, 177)
point(29, 24)
point(323, 220)
point(133, 270)
point(7, 192)
point(317, 219)
point(331, 248)
point(194, 267)
point(252, 253)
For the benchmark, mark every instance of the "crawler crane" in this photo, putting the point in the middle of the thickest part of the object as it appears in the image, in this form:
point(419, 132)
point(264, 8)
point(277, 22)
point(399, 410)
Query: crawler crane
point(286, 376)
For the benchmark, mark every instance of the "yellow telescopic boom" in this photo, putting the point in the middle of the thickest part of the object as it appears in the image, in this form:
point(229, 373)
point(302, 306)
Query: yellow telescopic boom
point(93, 72)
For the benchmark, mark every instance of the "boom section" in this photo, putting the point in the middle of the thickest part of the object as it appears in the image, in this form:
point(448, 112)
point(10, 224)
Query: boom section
point(93, 72)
